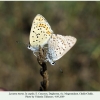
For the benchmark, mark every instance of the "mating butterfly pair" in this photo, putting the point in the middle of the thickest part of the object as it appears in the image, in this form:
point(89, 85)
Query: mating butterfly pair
point(42, 34)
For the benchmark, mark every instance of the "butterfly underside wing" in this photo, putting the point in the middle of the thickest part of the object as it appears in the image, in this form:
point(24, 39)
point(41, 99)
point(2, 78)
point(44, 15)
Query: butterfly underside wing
point(58, 45)
point(40, 33)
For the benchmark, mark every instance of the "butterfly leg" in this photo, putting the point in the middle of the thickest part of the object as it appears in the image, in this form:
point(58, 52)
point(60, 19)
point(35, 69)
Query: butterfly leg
point(34, 54)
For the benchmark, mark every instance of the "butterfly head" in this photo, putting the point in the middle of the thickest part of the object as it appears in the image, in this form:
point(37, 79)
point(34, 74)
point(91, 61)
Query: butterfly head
point(52, 63)
point(30, 47)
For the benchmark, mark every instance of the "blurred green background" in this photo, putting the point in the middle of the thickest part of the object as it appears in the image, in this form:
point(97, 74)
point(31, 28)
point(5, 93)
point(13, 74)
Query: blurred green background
point(19, 69)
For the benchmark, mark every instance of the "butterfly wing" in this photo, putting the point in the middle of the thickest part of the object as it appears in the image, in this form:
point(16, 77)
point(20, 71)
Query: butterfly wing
point(65, 43)
point(40, 32)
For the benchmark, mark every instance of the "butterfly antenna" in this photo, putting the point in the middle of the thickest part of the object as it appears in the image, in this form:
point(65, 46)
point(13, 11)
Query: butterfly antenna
point(60, 70)
point(22, 43)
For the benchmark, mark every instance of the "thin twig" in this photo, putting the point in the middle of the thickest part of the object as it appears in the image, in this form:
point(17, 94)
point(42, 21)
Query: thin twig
point(43, 70)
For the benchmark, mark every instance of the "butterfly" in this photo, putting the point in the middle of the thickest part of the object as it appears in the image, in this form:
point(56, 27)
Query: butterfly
point(40, 33)
point(58, 46)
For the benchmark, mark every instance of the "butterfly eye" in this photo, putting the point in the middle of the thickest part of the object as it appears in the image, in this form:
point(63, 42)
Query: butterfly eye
point(28, 46)
point(53, 63)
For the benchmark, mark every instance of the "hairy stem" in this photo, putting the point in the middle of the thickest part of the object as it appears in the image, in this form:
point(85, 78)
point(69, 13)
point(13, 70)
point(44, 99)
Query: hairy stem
point(43, 70)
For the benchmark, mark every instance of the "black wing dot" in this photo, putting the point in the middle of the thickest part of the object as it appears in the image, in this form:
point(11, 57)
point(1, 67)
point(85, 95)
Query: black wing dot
point(53, 40)
point(64, 49)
